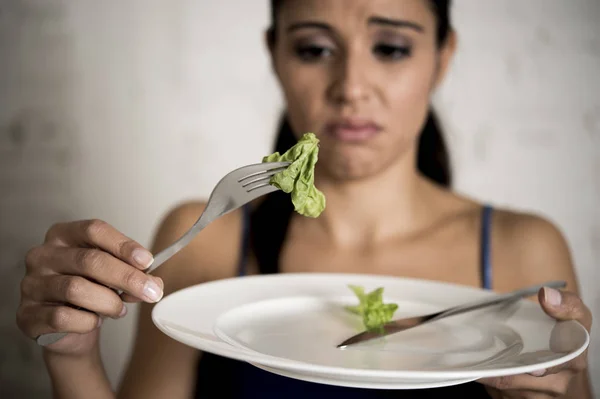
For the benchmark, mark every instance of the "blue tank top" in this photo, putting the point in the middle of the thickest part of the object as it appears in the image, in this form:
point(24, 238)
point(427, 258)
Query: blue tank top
point(219, 377)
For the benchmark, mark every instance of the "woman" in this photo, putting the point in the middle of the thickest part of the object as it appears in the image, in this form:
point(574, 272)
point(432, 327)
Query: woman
point(359, 73)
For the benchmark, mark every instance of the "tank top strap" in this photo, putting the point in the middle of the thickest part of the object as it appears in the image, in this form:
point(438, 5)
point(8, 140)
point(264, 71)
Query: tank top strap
point(485, 250)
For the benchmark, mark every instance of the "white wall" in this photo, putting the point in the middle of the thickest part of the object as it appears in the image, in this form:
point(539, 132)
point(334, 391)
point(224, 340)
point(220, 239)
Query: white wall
point(120, 109)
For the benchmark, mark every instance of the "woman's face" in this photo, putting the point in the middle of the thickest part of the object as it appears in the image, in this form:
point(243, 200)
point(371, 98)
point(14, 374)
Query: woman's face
point(359, 74)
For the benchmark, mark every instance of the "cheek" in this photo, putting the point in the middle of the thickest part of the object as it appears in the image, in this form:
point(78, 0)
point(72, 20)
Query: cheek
point(407, 96)
point(303, 88)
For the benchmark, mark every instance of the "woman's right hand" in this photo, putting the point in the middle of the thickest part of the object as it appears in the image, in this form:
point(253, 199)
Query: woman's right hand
point(81, 264)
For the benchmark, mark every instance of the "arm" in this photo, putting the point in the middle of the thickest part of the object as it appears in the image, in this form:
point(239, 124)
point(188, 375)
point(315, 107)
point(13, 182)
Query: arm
point(533, 250)
point(76, 377)
point(73, 268)
point(161, 367)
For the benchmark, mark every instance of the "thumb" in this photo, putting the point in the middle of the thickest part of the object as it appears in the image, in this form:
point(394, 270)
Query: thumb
point(564, 306)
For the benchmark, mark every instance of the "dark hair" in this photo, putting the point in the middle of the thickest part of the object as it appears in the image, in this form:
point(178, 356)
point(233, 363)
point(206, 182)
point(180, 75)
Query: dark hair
point(269, 221)
point(432, 155)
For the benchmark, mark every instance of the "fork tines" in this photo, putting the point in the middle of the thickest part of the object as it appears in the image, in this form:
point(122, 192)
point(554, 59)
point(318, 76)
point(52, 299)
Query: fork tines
point(262, 178)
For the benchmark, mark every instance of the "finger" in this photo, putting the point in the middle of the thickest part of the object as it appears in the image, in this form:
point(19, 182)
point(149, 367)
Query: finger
point(565, 306)
point(107, 270)
point(76, 291)
point(101, 235)
point(131, 299)
point(35, 320)
point(574, 366)
point(549, 385)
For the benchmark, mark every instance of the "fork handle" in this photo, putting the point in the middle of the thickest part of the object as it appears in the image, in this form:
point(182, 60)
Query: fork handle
point(511, 296)
point(164, 255)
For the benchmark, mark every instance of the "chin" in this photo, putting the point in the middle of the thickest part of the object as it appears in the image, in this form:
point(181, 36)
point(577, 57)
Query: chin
point(343, 166)
point(341, 161)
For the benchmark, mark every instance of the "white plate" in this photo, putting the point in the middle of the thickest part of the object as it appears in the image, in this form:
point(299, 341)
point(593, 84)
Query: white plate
point(292, 322)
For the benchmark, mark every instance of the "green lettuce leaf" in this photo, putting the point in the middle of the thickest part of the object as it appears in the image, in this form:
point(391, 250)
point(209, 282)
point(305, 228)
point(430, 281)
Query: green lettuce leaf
point(298, 179)
point(371, 308)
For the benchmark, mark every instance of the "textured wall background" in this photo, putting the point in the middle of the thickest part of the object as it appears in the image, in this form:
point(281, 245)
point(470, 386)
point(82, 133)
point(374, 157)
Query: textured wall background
point(120, 109)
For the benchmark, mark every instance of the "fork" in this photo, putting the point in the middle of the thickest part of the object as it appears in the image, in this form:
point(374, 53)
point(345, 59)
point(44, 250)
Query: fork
point(233, 191)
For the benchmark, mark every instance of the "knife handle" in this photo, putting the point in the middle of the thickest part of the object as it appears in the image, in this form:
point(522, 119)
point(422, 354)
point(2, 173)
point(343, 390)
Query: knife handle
point(508, 297)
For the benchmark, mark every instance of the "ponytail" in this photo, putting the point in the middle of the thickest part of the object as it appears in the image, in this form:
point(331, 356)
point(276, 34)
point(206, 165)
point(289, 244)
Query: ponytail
point(433, 160)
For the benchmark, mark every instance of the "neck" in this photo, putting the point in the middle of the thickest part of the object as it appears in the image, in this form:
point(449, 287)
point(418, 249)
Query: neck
point(356, 214)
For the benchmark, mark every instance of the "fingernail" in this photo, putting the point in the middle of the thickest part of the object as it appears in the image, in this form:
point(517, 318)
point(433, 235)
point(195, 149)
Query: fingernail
point(143, 258)
point(552, 296)
point(99, 322)
point(152, 291)
point(123, 311)
point(538, 373)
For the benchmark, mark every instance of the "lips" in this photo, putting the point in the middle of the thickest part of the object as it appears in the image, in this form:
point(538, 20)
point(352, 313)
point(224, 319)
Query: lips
point(353, 129)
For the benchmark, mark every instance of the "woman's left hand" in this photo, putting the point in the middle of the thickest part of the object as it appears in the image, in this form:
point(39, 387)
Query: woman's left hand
point(555, 382)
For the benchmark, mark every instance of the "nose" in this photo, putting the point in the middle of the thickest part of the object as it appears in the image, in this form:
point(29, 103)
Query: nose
point(350, 80)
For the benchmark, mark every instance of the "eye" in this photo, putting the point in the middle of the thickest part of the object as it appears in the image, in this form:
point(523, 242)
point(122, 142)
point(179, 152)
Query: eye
point(313, 52)
point(391, 52)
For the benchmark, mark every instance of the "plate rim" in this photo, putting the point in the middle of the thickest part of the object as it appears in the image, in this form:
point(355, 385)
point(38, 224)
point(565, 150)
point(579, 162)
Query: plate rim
point(365, 384)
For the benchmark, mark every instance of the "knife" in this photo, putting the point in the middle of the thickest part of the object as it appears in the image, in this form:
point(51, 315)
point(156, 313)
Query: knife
point(396, 326)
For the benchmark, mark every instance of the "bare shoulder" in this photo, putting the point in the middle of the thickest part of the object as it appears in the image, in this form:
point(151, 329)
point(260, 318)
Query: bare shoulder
point(212, 254)
point(530, 249)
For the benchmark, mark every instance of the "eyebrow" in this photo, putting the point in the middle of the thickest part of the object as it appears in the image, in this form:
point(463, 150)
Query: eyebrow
point(376, 20)
point(398, 23)
point(308, 24)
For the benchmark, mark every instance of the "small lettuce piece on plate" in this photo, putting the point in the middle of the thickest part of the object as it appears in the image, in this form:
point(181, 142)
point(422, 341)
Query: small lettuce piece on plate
point(298, 179)
point(371, 308)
